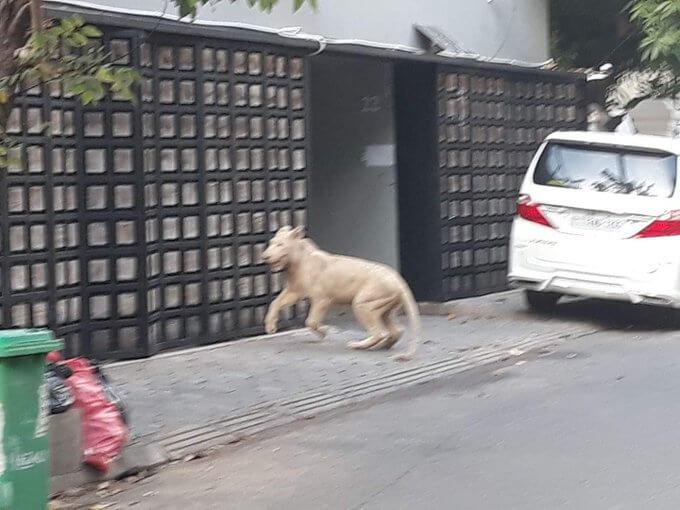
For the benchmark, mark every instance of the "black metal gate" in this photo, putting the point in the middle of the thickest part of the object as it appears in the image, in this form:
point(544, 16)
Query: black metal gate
point(133, 228)
point(477, 137)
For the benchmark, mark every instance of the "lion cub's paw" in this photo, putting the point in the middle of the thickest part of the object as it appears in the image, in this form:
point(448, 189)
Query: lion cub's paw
point(356, 345)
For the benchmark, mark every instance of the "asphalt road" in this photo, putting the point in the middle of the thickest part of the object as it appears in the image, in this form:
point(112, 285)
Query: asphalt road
point(592, 425)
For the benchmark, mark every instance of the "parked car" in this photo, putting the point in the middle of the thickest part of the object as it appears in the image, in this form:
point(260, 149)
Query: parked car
point(599, 216)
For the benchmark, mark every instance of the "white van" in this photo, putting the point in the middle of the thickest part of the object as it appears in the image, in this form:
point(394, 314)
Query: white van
point(599, 216)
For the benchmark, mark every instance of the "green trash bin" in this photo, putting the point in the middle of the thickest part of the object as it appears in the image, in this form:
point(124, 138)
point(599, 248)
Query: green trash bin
point(24, 419)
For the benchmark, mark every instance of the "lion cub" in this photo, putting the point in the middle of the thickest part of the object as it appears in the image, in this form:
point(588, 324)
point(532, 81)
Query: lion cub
point(374, 290)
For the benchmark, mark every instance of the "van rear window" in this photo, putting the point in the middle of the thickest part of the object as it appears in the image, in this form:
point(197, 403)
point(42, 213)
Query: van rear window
point(608, 170)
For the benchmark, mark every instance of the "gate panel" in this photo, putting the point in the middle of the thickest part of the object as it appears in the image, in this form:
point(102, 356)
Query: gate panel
point(132, 228)
point(40, 210)
point(111, 219)
point(27, 210)
point(490, 125)
point(172, 119)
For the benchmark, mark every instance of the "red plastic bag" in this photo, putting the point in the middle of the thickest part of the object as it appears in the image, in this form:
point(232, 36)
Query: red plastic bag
point(104, 433)
point(54, 357)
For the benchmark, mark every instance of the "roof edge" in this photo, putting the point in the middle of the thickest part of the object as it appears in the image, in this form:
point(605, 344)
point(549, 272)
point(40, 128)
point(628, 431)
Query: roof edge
point(138, 20)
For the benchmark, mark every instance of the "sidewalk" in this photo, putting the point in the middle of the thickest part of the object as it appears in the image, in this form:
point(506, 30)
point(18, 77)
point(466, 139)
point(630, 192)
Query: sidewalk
point(187, 399)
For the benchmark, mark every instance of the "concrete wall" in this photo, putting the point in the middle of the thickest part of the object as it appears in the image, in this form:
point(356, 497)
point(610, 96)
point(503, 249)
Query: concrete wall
point(516, 29)
point(654, 117)
point(352, 181)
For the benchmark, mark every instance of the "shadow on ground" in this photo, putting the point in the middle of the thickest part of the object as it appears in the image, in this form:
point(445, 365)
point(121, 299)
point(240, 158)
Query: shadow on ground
point(617, 315)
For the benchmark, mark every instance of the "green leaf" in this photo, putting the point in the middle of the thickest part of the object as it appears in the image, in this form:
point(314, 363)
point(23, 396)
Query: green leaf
point(654, 53)
point(190, 7)
point(68, 24)
point(91, 31)
point(79, 40)
point(105, 75)
point(38, 40)
point(662, 6)
point(187, 7)
point(86, 97)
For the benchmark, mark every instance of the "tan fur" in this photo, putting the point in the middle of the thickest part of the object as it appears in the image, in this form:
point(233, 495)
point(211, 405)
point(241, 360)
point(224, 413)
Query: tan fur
point(374, 290)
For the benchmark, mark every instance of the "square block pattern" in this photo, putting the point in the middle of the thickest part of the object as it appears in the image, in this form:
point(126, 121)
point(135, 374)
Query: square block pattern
point(130, 228)
point(489, 127)
point(224, 149)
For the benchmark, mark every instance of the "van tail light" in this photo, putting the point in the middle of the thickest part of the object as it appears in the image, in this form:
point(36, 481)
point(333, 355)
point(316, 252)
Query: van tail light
point(664, 226)
point(530, 211)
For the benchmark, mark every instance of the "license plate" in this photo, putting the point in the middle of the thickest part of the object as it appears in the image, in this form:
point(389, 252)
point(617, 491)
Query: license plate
point(594, 222)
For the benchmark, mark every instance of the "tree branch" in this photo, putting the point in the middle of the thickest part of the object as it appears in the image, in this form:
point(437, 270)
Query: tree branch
point(36, 15)
point(18, 18)
point(3, 15)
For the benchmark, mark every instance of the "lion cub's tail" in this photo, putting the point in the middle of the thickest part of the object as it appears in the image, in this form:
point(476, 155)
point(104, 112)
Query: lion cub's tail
point(411, 308)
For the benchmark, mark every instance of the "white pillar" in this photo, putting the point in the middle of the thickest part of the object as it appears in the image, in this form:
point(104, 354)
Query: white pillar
point(675, 118)
point(597, 117)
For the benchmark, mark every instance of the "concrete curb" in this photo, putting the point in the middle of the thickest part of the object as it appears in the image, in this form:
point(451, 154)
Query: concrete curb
point(426, 309)
point(436, 309)
point(211, 347)
point(267, 416)
point(466, 305)
point(67, 469)
point(136, 457)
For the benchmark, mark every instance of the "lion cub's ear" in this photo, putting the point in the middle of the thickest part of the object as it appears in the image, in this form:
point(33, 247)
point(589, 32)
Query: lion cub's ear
point(299, 233)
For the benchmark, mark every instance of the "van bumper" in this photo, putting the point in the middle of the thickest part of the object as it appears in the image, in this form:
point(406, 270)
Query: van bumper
point(640, 271)
point(569, 285)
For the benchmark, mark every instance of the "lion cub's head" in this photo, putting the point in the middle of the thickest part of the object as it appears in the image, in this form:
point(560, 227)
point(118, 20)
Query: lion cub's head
point(282, 247)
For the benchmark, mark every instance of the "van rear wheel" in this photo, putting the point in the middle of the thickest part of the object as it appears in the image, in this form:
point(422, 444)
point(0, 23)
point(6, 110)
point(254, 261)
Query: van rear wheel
point(543, 302)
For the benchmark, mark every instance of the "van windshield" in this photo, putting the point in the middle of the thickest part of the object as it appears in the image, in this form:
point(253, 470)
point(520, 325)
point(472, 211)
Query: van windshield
point(610, 170)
